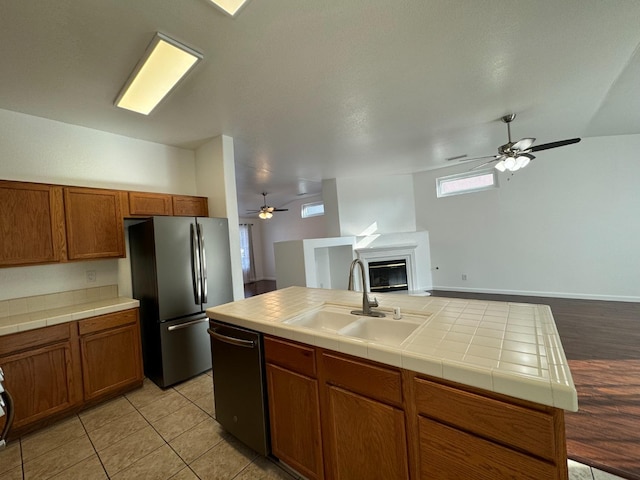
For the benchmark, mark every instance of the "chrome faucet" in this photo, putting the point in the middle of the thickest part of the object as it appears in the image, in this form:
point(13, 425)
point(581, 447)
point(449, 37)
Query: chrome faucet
point(366, 303)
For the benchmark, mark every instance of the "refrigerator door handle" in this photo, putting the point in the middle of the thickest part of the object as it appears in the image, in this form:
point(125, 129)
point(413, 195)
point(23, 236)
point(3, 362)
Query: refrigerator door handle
point(195, 266)
point(203, 263)
point(186, 325)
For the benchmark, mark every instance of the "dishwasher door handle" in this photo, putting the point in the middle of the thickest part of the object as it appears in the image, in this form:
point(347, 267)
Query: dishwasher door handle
point(239, 342)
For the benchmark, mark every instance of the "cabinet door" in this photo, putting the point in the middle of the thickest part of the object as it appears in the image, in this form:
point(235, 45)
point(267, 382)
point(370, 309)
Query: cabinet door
point(32, 224)
point(111, 358)
point(94, 223)
point(295, 420)
point(41, 382)
point(448, 453)
point(187, 206)
point(367, 438)
point(149, 204)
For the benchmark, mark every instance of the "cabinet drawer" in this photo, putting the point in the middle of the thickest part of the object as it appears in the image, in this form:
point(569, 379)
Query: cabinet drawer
point(291, 356)
point(448, 453)
point(523, 428)
point(105, 322)
point(370, 380)
point(17, 342)
point(141, 203)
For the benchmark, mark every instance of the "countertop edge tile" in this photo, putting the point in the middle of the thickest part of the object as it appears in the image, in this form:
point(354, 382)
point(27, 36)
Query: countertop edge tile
point(58, 315)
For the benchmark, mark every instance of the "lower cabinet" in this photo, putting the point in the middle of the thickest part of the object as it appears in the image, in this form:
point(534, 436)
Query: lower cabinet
point(111, 353)
point(339, 417)
point(294, 408)
point(42, 373)
point(53, 371)
point(366, 438)
point(365, 432)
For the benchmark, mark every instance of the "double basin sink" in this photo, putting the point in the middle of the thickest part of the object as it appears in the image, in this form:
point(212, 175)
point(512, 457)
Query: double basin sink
point(337, 319)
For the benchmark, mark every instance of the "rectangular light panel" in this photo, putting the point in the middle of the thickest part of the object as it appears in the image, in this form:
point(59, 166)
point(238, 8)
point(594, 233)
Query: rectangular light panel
point(163, 65)
point(231, 7)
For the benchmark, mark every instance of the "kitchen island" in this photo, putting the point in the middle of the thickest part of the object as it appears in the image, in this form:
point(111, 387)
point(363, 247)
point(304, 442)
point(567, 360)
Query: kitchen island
point(477, 390)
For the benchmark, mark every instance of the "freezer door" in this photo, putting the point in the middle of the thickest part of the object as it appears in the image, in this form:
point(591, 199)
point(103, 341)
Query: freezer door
point(217, 287)
point(175, 263)
point(186, 350)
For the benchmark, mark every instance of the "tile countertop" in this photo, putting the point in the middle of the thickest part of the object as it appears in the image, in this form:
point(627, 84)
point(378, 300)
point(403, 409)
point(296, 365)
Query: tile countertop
point(508, 348)
point(53, 316)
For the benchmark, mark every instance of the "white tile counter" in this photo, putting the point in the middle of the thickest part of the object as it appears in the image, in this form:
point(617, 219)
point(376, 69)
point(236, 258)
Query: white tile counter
point(28, 313)
point(508, 348)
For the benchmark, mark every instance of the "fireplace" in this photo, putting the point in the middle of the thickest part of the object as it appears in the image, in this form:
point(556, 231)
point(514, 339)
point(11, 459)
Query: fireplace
point(388, 276)
point(396, 262)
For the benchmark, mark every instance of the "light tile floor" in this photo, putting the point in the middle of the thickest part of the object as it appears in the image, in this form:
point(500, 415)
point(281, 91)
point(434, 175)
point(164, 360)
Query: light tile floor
point(153, 434)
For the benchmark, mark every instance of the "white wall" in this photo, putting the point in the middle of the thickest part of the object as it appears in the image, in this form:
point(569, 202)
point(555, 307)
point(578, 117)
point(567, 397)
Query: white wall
point(40, 150)
point(368, 205)
point(568, 225)
point(216, 179)
point(288, 226)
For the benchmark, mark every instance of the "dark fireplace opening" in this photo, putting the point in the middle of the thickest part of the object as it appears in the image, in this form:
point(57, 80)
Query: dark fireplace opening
point(388, 276)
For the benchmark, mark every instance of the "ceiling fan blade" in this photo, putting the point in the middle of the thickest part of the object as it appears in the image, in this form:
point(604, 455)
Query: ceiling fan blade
point(479, 158)
point(496, 158)
point(280, 209)
point(560, 143)
point(522, 145)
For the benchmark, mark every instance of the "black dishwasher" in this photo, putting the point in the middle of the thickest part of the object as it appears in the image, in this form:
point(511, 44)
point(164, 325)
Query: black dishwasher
point(239, 384)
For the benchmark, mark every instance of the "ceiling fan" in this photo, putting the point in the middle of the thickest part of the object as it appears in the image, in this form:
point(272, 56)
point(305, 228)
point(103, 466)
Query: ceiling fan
point(266, 211)
point(513, 156)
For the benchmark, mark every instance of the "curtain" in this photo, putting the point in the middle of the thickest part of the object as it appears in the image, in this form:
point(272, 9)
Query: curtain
point(246, 252)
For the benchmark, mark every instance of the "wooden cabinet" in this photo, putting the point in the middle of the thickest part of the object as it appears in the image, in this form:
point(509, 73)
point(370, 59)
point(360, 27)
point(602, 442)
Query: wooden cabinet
point(42, 223)
point(363, 421)
point(188, 206)
point(31, 224)
point(380, 422)
point(149, 204)
point(42, 372)
point(94, 223)
point(111, 355)
point(463, 434)
point(294, 408)
point(57, 370)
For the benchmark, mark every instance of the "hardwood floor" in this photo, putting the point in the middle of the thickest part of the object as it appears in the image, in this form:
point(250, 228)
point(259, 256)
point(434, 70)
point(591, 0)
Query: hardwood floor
point(256, 288)
point(602, 342)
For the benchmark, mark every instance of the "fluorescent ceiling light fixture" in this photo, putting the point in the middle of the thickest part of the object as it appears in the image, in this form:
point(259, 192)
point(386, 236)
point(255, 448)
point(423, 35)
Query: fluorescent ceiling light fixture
point(164, 64)
point(230, 7)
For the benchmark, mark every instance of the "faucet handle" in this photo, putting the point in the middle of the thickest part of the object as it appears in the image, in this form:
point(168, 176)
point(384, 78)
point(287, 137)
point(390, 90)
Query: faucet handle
point(373, 303)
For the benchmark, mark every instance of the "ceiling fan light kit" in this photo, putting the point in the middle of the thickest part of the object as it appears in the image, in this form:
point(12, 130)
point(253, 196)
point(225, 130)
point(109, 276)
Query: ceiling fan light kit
point(513, 156)
point(265, 212)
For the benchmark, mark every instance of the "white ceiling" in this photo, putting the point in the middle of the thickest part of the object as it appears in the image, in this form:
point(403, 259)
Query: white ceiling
point(314, 89)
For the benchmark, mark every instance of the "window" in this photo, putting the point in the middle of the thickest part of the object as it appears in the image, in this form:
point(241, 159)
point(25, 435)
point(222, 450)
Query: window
point(466, 183)
point(314, 209)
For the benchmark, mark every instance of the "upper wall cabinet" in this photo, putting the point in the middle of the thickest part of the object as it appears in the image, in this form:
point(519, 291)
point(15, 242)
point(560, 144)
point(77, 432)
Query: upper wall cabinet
point(149, 204)
point(190, 206)
point(94, 223)
point(31, 224)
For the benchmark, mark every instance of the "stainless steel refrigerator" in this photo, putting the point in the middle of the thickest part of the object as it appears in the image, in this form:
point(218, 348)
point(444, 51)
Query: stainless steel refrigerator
point(180, 266)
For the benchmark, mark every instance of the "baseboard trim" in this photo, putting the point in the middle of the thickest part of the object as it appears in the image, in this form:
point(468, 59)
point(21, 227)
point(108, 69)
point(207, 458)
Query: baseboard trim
point(580, 296)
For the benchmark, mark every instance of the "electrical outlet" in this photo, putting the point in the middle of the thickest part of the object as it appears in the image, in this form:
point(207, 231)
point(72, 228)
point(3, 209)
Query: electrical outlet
point(91, 276)
point(464, 276)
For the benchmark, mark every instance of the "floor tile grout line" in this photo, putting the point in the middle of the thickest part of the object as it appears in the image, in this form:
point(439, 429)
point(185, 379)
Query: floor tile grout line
point(95, 450)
